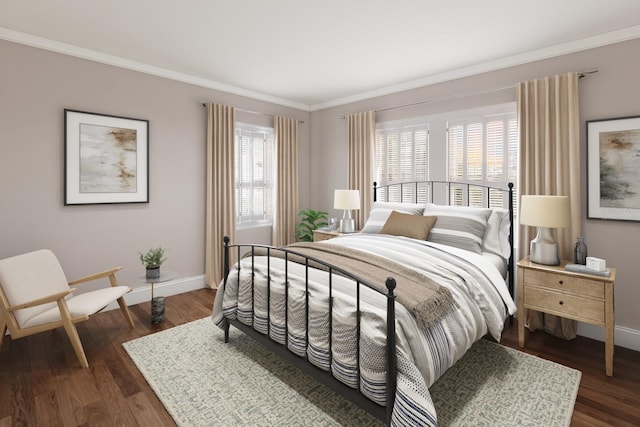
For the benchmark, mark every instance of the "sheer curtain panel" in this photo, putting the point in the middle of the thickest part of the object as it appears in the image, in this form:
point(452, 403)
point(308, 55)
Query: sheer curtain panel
point(550, 165)
point(362, 138)
point(220, 198)
point(286, 203)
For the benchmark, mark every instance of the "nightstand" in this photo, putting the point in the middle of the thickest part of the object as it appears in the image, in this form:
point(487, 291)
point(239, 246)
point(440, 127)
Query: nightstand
point(319, 235)
point(582, 297)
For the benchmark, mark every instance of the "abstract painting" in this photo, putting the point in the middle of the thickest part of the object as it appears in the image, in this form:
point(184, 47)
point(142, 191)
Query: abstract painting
point(106, 159)
point(614, 168)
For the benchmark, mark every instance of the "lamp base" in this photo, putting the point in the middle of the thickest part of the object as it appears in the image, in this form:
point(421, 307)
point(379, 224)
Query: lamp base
point(543, 249)
point(347, 225)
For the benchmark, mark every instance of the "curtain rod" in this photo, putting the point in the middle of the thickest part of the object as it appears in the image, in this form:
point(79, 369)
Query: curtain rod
point(581, 75)
point(204, 104)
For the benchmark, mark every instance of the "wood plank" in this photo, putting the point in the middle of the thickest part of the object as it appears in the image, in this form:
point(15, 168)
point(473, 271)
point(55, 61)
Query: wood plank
point(144, 411)
point(47, 413)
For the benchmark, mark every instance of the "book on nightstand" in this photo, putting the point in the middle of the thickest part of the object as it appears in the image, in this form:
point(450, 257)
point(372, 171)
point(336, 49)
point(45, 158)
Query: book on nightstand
point(579, 268)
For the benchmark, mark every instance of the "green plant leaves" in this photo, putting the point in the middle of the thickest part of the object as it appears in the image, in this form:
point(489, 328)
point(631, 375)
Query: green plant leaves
point(154, 257)
point(310, 220)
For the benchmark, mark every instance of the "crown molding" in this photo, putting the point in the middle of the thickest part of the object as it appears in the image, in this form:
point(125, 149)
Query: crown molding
point(604, 39)
point(116, 61)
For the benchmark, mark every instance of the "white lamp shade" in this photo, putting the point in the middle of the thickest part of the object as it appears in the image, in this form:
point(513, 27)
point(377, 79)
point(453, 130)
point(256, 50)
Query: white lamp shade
point(346, 199)
point(545, 211)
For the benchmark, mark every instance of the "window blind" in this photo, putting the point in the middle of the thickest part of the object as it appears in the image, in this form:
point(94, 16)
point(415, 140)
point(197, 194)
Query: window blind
point(482, 150)
point(254, 153)
point(402, 155)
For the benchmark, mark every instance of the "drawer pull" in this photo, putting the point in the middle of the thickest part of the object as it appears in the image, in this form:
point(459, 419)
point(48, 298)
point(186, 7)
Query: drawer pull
point(561, 282)
point(561, 302)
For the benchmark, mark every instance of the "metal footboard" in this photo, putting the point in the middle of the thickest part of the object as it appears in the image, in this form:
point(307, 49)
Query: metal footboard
point(354, 395)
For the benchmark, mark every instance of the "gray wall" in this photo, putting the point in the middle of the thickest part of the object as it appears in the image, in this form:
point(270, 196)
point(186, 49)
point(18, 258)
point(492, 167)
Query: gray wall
point(613, 92)
point(35, 87)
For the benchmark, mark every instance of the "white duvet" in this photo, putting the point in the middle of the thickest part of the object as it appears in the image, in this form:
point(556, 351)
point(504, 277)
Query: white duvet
point(424, 354)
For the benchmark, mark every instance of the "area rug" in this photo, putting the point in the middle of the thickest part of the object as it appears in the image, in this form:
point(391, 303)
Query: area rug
point(202, 381)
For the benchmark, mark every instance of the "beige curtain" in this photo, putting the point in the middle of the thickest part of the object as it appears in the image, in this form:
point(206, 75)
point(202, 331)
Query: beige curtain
point(220, 198)
point(362, 137)
point(550, 164)
point(286, 203)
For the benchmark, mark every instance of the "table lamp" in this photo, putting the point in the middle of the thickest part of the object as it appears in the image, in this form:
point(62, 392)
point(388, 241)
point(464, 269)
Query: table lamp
point(545, 212)
point(347, 200)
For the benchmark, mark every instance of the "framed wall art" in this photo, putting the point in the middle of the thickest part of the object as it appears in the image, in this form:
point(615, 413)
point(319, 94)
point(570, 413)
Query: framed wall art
point(106, 159)
point(613, 166)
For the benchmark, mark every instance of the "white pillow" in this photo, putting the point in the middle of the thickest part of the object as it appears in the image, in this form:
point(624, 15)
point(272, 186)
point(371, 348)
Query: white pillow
point(496, 236)
point(458, 226)
point(380, 212)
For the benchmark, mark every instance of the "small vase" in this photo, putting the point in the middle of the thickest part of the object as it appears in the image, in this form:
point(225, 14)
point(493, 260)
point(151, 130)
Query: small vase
point(580, 252)
point(153, 273)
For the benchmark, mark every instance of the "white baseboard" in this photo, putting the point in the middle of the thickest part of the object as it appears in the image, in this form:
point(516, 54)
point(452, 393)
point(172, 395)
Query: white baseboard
point(624, 337)
point(165, 289)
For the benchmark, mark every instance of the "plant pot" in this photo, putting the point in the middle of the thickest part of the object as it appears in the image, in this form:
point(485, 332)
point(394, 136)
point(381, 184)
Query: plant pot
point(153, 273)
point(157, 310)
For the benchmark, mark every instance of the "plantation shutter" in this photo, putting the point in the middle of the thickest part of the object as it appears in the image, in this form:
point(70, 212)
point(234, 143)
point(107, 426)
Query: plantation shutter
point(482, 151)
point(254, 173)
point(402, 155)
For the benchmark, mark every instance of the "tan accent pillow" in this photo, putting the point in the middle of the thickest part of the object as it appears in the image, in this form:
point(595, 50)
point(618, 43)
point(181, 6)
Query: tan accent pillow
point(414, 226)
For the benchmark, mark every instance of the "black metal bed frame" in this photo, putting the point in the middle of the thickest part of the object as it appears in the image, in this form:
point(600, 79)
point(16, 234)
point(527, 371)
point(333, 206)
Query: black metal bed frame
point(381, 412)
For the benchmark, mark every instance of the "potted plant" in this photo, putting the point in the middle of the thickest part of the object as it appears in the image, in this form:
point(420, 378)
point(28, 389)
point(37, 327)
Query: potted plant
point(152, 260)
point(311, 219)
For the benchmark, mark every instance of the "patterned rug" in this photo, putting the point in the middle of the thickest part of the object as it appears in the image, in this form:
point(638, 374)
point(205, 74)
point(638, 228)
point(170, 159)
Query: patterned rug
point(202, 382)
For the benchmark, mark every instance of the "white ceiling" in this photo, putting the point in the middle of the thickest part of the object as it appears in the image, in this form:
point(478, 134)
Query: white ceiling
point(315, 54)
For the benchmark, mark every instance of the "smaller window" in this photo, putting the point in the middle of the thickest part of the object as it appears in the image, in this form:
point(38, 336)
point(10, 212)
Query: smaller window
point(254, 174)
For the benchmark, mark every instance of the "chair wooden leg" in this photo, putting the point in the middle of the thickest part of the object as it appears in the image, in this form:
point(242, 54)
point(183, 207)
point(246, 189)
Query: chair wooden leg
point(125, 311)
point(72, 332)
point(121, 301)
point(3, 328)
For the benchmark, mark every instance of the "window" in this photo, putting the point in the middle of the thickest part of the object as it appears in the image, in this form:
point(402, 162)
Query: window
point(484, 151)
point(402, 155)
point(473, 147)
point(254, 174)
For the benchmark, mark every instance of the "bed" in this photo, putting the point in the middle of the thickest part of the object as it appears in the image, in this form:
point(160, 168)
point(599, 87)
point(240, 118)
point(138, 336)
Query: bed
point(380, 315)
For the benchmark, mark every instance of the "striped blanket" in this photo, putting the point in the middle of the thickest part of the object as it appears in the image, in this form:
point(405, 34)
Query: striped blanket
point(424, 353)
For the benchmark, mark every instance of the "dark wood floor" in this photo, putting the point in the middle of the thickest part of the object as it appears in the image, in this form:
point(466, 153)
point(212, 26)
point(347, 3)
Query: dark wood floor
point(42, 384)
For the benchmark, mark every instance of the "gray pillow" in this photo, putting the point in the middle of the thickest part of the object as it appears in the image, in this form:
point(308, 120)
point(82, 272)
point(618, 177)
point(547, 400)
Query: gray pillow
point(458, 226)
point(380, 212)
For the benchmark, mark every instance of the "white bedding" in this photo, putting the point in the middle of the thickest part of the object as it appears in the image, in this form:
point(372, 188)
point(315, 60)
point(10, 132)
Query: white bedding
point(423, 354)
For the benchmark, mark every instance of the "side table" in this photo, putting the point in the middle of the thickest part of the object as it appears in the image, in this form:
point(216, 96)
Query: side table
point(583, 297)
point(157, 303)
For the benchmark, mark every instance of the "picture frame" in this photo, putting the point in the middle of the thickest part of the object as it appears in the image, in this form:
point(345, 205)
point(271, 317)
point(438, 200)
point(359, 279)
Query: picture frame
point(106, 159)
point(613, 168)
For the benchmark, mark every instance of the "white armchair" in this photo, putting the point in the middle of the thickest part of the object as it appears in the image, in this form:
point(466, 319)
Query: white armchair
point(36, 297)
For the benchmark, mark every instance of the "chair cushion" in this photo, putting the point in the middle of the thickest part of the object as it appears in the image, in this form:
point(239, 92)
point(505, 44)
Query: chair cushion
point(83, 304)
point(31, 276)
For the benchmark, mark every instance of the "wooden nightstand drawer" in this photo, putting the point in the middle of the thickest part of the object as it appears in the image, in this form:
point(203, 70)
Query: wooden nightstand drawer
point(566, 305)
point(564, 283)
